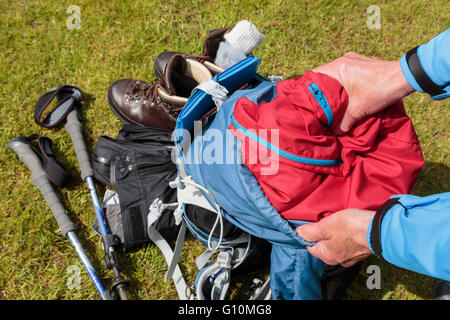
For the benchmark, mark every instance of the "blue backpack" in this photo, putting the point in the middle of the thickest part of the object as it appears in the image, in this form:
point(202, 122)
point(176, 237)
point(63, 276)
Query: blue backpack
point(224, 192)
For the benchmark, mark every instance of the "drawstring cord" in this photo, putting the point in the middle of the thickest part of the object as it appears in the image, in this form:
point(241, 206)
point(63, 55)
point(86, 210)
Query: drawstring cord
point(219, 218)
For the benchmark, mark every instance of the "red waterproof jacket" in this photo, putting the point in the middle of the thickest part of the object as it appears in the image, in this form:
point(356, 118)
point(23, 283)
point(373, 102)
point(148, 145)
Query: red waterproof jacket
point(305, 170)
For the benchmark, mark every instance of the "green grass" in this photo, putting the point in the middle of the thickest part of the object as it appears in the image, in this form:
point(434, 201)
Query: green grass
point(120, 39)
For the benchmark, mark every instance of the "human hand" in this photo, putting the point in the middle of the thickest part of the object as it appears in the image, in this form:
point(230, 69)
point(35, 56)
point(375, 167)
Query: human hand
point(341, 238)
point(371, 85)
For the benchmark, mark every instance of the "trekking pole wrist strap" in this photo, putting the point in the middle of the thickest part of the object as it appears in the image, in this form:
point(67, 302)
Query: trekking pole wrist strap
point(68, 98)
point(375, 232)
point(54, 171)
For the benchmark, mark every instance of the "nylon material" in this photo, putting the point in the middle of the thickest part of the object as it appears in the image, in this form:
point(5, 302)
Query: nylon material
point(282, 113)
point(146, 181)
point(200, 235)
point(162, 244)
point(53, 169)
point(295, 274)
point(282, 275)
point(203, 259)
point(245, 204)
point(203, 237)
point(227, 55)
point(249, 210)
point(420, 204)
point(382, 151)
point(408, 75)
point(155, 212)
point(284, 154)
point(309, 271)
point(45, 145)
point(420, 240)
point(176, 253)
point(65, 95)
point(191, 195)
point(433, 56)
point(58, 113)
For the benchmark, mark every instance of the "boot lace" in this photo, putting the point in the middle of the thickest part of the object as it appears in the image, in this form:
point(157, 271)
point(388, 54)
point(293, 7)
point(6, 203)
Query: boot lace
point(149, 91)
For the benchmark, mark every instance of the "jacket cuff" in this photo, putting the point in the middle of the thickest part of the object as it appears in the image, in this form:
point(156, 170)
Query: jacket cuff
point(368, 236)
point(374, 230)
point(408, 75)
point(418, 78)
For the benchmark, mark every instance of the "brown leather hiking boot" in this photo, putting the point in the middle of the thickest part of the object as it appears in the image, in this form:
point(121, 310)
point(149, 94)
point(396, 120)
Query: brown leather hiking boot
point(210, 47)
point(157, 104)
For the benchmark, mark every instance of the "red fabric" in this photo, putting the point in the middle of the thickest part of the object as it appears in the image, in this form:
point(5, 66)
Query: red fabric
point(381, 155)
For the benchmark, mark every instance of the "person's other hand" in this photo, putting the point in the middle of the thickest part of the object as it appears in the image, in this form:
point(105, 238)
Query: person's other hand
point(341, 238)
point(371, 84)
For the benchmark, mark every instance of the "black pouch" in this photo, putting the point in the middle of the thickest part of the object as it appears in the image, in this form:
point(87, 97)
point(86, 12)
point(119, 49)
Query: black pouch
point(259, 250)
point(204, 220)
point(138, 166)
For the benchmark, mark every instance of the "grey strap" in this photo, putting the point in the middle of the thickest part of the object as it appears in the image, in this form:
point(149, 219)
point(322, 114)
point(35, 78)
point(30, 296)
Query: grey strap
point(218, 93)
point(203, 259)
point(177, 252)
point(161, 243)
point(164, 247)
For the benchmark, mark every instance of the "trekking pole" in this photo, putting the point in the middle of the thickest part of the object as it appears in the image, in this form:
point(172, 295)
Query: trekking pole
point(66, 226)
point(109, 241)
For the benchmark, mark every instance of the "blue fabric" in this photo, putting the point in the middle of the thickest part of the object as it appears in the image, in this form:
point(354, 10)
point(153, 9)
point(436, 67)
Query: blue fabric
point(295, 274)
point(233, 186)
point(244, 203)
point(416, 234)
point(435, 59)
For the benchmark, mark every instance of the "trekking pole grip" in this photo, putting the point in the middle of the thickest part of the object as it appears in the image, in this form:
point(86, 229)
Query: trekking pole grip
point(75, 129)
point(40, 180)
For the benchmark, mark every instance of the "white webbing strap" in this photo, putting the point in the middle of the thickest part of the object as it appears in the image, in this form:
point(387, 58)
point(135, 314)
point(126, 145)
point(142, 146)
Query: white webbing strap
point(178, 245)
point(218, 92)
point(177, 277)
point(156, 209)
point(203, 259)
point(191, 194)
point(164, 247)
point(188, 191)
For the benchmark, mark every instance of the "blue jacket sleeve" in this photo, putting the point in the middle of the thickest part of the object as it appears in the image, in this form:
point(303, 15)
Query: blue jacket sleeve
point(415, 234)
point(435, 59)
